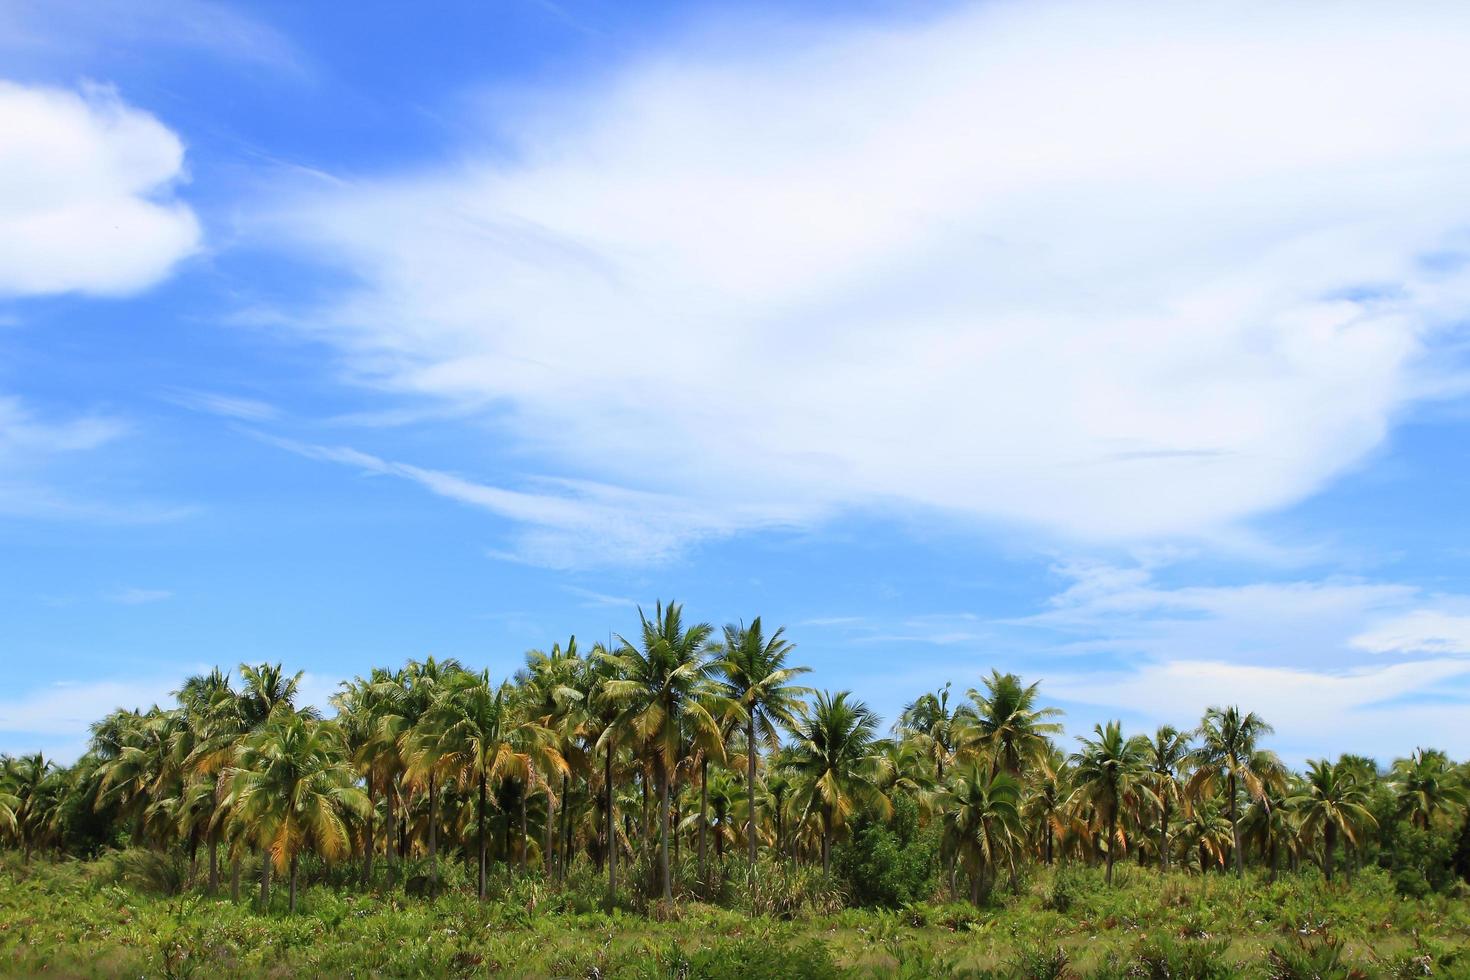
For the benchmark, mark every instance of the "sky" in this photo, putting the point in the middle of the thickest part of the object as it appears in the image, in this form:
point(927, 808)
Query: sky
point(1119, 345)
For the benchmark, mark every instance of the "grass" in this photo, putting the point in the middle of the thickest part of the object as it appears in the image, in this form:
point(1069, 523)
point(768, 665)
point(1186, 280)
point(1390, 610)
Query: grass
point(79, 919)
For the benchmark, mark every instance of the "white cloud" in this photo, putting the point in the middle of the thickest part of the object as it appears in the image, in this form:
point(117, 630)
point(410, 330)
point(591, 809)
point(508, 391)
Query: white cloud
point(1421, 631)
point(139, 597)
point(67, 708)
point(1304, 654)
point(1118, 271)
point(84, 194)
point(1314, 712)
point(229, 406)
point(568, 523)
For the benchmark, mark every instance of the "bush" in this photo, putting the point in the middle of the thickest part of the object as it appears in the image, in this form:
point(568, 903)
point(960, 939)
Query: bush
point(889, 864)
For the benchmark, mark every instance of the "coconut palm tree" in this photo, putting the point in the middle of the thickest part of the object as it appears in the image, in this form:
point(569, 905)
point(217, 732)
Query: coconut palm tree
point(422, 682)
point(364, 707)
point(757, 679)
point(1045, 798)
point(1004, 724)
point(1332, 801)
point(482, 735)
point(982, 820)
point(1229, 752)
point(1110, 772)
point(662, 678)
point(933, 725)
point(293, 789)
point(555, 684)
point(1166, 753)
point(1427, 787)
point(832, 754)
point(600, 729)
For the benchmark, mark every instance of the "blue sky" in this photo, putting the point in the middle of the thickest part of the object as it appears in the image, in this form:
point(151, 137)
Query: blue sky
point(1117, 345)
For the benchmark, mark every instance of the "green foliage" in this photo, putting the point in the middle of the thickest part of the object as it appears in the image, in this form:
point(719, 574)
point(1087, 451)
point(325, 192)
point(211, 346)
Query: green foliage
point(889, 863)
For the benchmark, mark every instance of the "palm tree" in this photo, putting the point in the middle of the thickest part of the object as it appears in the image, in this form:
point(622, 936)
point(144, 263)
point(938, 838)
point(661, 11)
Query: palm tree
point(758, 681)
point(482, 736)
point(1110, 773)
point(1426, 787)
point(1046, 797)
point(930, 722)
point(832, 753)
point(364, 706)
point(1229, 752)
point(31, 779)
point(555, 681)
point(1333, 800)
point(982, 819)
point(1166, 753)
point(1004, 724)
point(601, 729)
point(292, 789)
point(661, 679)
point(422, 682)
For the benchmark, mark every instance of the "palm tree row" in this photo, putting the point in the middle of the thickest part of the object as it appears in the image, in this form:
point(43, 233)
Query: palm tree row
point(590, 759)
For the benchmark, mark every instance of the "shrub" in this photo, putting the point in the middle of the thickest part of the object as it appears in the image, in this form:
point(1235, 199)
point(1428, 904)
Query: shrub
point(889, 864)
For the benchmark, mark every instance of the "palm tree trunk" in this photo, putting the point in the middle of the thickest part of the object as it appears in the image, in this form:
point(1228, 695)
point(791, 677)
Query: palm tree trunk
point(662, 777)
point(1112, 835)
point(977, 881)
point(213, 864)
point(612, 837)
point(265, 881)
point(372, 833)
point(525, 831)
point(291, 905)
point(703, 811)
point(549, 835)
point(482, 835)
point(1164, 837)
point(1048, 841)
point(390, 842)
point(750, 754)
point(433, 830)
point(1329, 846)
point(566, 827)
point(235, 878)
point(826, 838)
point(1235, 833)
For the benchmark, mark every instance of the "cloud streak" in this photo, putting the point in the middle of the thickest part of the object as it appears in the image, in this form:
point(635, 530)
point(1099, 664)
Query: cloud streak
point(1041, 263)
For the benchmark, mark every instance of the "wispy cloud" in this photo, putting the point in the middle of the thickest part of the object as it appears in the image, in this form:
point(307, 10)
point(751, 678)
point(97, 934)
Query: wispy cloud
point(568, 523)
point(138, 597)
point(601, 600)
point(229, 406)
point(963, 263)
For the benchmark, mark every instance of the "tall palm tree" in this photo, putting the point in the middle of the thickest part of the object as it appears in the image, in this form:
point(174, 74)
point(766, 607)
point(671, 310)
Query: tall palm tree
point(832, 753)
point(32, 780)
point(1166, 753)
point(1229, 751)
point(422, 683)
point(482, 736)
point(1333, 801)
point(292, 788)
point(1046, 796)
point(555, 683)
point(982, 820)
point(1427, 787)
point(659, 687)
point(600, 727)
point(930, 722)
point(1005, 725)
point(363, 707)
point(758, 680)
point(1110, 772)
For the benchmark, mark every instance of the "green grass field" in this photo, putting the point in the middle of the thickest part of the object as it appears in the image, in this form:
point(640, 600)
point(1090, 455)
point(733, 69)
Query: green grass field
point(92, 919)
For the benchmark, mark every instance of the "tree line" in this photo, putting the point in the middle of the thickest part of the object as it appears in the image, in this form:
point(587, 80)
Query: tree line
point(688, 738)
